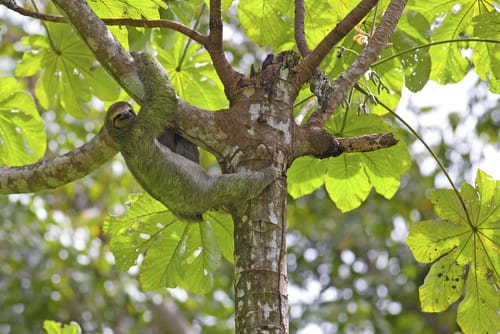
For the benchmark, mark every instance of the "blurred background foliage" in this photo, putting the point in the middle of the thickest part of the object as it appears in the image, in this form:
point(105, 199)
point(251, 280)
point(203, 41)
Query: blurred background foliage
point(348, 273)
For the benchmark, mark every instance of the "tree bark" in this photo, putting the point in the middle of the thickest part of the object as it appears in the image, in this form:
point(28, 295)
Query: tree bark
point(260, 226)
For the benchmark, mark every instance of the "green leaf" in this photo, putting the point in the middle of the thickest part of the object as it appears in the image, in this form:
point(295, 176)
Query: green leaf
point(478, 313)
point(131, 234)
point(386, 83)
point(448, 206)
point(321, 17)
point(267, 23)
point(466, 239)
point(135, 9)
point(429, 240)
point(69, 74)
point(22, 130)
point(486, 56)
point(346, 183)
point(161, 265)
point(200, 259)
point(224, 233)
point(452, 20)
point(380, 169)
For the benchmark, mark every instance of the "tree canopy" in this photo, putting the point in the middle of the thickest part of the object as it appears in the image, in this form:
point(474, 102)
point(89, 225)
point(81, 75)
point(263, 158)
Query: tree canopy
point(312, 87)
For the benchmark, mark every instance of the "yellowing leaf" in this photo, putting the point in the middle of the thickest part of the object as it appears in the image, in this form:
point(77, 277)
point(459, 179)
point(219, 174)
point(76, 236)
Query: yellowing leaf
point(442, 285)
point(429, 240)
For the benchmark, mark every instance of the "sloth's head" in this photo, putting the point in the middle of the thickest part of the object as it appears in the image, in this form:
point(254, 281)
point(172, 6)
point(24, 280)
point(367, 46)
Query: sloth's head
point(119, 118)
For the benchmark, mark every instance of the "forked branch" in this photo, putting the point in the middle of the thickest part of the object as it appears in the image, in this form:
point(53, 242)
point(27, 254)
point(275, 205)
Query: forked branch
point(314, 58)
point(376, 45)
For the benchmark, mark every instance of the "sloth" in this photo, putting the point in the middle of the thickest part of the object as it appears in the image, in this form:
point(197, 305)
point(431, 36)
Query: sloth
point(157, 158)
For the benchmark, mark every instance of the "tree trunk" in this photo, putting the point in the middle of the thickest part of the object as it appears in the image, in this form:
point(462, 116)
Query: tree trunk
point(260, 227)
point(261, 264)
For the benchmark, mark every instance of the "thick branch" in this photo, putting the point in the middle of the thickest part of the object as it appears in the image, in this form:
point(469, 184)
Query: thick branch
point(52, 173)
point(300, 35)
point(369, 54)
point(312, 61)
point(109, 52)
point(215, 48)
point(193, 34)
point(82, 161)
point(322, 144)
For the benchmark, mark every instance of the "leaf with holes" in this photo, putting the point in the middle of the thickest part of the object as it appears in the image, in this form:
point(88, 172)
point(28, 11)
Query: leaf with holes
point(466, 248)
point(175, 253)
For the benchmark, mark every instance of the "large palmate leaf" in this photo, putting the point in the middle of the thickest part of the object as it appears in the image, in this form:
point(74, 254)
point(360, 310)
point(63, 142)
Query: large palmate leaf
point(176, 253)
point(69, 73)
point(465, 246)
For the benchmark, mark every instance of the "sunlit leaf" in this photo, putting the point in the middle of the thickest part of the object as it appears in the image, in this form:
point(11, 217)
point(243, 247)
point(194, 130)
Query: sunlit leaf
point(486, 56)
point(69, 73)
point(413, 30)
point(346, 183)
point(442, 285)
point(350, 177)
point(224, 233)
point(453, 21)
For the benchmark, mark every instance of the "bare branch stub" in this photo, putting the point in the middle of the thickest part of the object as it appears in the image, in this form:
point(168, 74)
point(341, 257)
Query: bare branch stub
point(322, 144)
